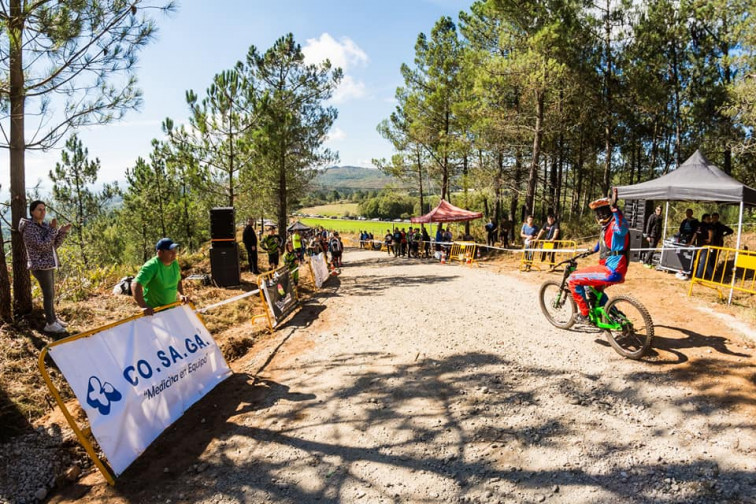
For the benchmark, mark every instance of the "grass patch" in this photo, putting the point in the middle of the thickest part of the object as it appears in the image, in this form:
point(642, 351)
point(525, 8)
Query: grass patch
point(337, 209)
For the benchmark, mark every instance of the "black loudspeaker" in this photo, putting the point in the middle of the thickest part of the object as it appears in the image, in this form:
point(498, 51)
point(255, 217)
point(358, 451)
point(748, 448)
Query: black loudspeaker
point(224, 265)
point(636, 243)
point(677, 258)
point(637, 212)
point(222, 223)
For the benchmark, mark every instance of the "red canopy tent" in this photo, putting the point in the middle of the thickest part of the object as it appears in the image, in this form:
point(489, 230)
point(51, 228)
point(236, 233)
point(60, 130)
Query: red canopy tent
point(446, 212)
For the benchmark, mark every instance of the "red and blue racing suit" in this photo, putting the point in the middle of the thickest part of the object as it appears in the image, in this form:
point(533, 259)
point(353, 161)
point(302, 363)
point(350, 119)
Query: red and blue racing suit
point(613, 245)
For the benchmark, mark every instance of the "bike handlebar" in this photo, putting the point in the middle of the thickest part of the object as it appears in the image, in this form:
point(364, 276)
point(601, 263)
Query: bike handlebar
point(574, 259)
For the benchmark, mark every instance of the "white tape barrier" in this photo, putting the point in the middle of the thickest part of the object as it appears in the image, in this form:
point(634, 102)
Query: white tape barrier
point(520, 250)
point(137, 378)
point(229, 300)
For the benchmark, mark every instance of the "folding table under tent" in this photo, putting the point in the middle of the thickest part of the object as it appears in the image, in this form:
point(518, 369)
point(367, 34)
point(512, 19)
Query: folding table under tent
point(696, 179)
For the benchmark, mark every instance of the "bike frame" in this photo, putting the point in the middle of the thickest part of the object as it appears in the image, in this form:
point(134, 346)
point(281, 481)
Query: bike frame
point(596, 314)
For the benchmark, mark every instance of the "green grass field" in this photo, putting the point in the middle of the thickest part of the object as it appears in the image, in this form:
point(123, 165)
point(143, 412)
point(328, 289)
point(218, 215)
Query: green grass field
point(337, 209)
point(353, 226)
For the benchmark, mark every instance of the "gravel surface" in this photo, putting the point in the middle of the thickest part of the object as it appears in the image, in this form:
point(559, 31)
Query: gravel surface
point(410, 381)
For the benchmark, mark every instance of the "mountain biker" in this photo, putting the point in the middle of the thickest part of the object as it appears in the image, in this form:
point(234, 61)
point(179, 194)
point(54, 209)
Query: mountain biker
point(614, 247)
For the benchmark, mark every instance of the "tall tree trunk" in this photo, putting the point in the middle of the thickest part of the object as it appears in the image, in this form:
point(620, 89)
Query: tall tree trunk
point(6, 314)
point(464, 188)
point(232, 166)
point(608, 126)
point(22, 301)
point(654, 149)
point(516, 190)
point(560, 173)
point(553, 181)
point(282, 195)
point(187, 223)
point(533, 174)
point(497, 189)
point(80, 221)
point(678, 126)
point(419, 161)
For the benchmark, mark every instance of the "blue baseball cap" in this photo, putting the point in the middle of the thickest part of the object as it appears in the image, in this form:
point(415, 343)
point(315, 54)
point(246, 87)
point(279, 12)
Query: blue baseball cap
point(165, 244)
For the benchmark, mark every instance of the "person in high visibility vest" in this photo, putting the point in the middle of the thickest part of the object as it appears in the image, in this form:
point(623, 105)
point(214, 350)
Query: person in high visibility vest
point(296, 241)
point(291, 260)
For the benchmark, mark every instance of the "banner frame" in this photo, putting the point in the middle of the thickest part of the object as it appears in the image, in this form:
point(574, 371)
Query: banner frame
point(82, 434)
point(268, 315)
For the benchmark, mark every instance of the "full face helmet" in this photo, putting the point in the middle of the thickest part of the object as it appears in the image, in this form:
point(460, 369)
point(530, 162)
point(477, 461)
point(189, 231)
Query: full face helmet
point(602, 209)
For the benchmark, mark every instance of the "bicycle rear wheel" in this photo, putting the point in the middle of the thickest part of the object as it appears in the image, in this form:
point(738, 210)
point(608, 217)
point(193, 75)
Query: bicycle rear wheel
point(636, 331)
point(557, 304)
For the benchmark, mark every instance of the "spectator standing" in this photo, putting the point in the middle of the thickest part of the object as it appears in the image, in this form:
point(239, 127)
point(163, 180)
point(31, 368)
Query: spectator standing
point(550, 231)
point(720, 230)
point(448, 239)
point(426, 242)
point(491, 232)
point(291, 261)
point(439, 237)
point(387, 240)
point(271, 244)
point(397, 241)
point(337, 248)
point(653, 235)
point(159, 280)
point(704, 238)
point(528, 233)
point(249, 238)
point(42, 240)
point(688, 227)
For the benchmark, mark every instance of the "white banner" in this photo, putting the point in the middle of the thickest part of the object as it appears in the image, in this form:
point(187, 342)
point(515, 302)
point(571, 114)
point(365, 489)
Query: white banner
point(135, 379)
point(319, 269)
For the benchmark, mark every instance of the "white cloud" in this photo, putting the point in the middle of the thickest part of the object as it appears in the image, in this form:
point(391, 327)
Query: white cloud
point(336, 134)
point(344, 54)
point(349, 89)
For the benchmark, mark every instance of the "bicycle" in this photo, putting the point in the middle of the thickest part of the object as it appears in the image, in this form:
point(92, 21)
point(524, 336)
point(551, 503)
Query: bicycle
point(626, 323)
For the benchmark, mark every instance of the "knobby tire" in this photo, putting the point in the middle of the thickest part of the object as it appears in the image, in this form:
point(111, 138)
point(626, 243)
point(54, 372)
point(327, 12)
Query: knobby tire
point(639, 343)
point(567, 304)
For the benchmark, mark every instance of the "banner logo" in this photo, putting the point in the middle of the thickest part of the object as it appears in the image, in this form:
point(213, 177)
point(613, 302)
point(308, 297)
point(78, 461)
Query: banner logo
point(100, 395)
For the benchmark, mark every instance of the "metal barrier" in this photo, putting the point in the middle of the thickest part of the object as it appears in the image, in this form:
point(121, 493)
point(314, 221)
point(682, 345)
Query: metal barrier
point(722, 268)
point(463, 252)
point(550, 252)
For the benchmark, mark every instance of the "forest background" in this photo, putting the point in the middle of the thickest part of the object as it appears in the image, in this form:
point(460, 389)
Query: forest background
point(510, 109)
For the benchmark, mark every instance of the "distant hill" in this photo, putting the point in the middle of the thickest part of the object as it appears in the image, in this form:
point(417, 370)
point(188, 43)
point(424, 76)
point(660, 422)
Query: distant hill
point(353, 177)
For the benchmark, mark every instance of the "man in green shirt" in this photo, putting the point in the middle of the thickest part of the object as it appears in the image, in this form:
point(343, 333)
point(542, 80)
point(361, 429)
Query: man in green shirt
point(271, 244)
point(159, 279)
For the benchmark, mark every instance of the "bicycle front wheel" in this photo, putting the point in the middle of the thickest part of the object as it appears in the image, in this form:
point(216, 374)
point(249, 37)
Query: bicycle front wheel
point(634, 328)
point(557, 304)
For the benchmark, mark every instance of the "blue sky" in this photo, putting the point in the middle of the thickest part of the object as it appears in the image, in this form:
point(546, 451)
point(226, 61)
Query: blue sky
point(369, 39)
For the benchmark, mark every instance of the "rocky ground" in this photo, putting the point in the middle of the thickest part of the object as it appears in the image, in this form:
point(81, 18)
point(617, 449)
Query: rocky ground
point(409, 381)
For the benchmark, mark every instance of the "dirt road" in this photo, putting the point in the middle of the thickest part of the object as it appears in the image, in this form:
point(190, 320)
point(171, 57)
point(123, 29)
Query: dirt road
point(406, 381)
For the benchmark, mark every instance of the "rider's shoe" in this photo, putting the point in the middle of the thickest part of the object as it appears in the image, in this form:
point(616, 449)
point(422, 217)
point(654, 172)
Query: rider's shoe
point(582, 319)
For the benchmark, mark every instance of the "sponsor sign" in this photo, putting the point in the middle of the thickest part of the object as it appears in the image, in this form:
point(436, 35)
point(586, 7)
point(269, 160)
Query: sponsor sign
point(137, 378)
point(319, 269)
point(279, 294)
